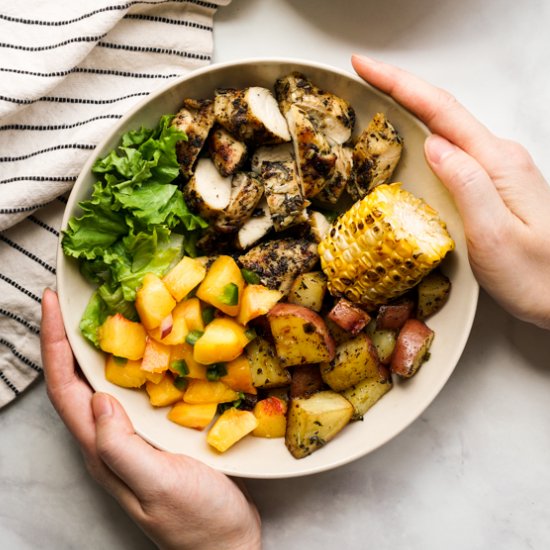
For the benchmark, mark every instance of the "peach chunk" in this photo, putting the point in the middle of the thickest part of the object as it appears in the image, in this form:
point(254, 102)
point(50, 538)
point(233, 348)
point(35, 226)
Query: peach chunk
point(124, 372)
point(173, 329)
point(231, 427)
point(183, 364)
point(257, 300)
point(239, 375)
point(223, 340)
point(184, 277)
point(153, 301)
point(223, 285)
point(193, 416)
point(271, 416)
point(204, 391)
point(156, 357)
point(191, 311)
point(122, 337)
point(164, 393)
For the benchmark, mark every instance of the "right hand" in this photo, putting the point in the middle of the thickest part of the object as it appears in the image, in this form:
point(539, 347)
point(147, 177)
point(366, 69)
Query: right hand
point(502, 197)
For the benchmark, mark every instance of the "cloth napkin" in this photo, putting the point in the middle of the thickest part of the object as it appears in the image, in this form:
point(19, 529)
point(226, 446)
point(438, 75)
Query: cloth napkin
point(68, 70)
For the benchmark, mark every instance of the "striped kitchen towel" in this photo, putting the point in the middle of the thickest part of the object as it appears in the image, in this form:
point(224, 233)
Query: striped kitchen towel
point(68, 70)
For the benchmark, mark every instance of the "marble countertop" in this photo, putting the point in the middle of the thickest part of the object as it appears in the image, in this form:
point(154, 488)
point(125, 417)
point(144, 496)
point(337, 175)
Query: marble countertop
point(472, 472)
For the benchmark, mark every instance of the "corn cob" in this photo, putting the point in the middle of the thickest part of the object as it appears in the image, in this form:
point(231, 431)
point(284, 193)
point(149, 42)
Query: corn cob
point(383, 246)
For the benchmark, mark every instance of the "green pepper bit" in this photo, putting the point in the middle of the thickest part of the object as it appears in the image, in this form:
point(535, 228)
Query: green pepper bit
point(230, 295)
point(193, 336)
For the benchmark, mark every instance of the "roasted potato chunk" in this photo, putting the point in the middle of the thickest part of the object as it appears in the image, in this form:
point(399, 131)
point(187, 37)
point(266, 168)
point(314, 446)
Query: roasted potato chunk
point(306, 379)
point(367, 392)
point(355, 360)
point(265, 367)
point(433, 292)
point(384, 341)
point(411, 348)
point(393, 316)
point(349, 317)
point(308, 290)
point(315, 420)
point(301, 336)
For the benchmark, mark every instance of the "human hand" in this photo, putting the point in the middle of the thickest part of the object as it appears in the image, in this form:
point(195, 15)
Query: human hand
point(177, 501)
point(502, 197)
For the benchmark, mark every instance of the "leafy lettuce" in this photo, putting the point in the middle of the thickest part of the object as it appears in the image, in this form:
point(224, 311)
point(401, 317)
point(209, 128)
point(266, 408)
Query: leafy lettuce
point(135, 222)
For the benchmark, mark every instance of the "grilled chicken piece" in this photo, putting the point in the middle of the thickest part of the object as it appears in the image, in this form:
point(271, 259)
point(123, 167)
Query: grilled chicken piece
point(246, 192)
point(280, 261)
point(284, 194)
point(333, 189)
point(375, 156)
point(227, 153)
point(314, 156)
point(270, 153)
point(256, 227)
point(196, 118)
point(208, 192)
point(251, 115)
point(319, 226)
point(331, 115)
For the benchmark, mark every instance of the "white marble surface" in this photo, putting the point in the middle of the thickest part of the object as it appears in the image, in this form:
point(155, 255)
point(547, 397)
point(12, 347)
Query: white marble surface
point(472, 472)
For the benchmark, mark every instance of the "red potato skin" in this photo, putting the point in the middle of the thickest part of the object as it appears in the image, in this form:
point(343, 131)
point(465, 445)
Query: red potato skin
point(413, 343)
point(306, 379)
point(384, 371)
point(310, 316)
point(394, 316)
point(349, 317)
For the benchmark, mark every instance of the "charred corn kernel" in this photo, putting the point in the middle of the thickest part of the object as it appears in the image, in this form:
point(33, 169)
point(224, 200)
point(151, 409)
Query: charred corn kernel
point(383, 246)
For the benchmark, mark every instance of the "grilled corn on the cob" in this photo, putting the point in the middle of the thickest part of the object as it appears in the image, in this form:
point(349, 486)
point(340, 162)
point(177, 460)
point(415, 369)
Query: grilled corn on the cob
point(383, 246)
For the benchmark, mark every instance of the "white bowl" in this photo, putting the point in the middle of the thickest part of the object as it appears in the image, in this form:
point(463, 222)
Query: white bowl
point(263, 458)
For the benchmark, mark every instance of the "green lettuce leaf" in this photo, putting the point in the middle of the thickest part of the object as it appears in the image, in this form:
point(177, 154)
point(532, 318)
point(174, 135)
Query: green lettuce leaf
point(135, 222)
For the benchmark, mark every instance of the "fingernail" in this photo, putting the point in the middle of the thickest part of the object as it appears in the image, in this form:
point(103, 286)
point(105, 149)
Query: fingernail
point(438, 148)
point(101, 405)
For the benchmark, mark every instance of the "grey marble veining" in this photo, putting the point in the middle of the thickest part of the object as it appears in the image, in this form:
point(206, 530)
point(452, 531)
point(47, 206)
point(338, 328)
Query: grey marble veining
point(472, 472)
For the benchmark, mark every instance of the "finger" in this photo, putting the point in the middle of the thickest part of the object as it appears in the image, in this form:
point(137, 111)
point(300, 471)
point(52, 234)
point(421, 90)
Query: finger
point(128, 456)
point(471, 187)
point(69, 394)
point(435, 107)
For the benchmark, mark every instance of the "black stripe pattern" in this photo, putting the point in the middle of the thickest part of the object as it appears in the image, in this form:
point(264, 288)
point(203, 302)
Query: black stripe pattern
point(66, 76)
point(118, 7)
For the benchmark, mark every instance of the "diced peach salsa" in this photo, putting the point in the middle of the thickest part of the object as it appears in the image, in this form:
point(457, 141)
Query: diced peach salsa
point(188, 350)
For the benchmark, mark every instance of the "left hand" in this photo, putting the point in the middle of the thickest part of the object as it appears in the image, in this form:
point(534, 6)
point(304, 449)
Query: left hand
point(178, 501)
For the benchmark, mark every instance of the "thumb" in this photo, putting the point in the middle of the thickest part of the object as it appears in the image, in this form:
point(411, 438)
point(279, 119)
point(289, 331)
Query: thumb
point(131, 458)
point(473, 190)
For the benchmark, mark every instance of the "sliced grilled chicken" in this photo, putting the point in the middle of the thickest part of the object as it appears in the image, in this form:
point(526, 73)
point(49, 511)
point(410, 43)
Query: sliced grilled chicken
point(208, 192)
point(227, 153)
point(332, 115)
point(279, 262)
point(375, 156)
point(251, 115)
point(333, 189)
point(314, 156)
point(284, 194)
point(256, 227)
point(319, 225)
point(246, 192)
point(271, 153)
point(196, 118)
